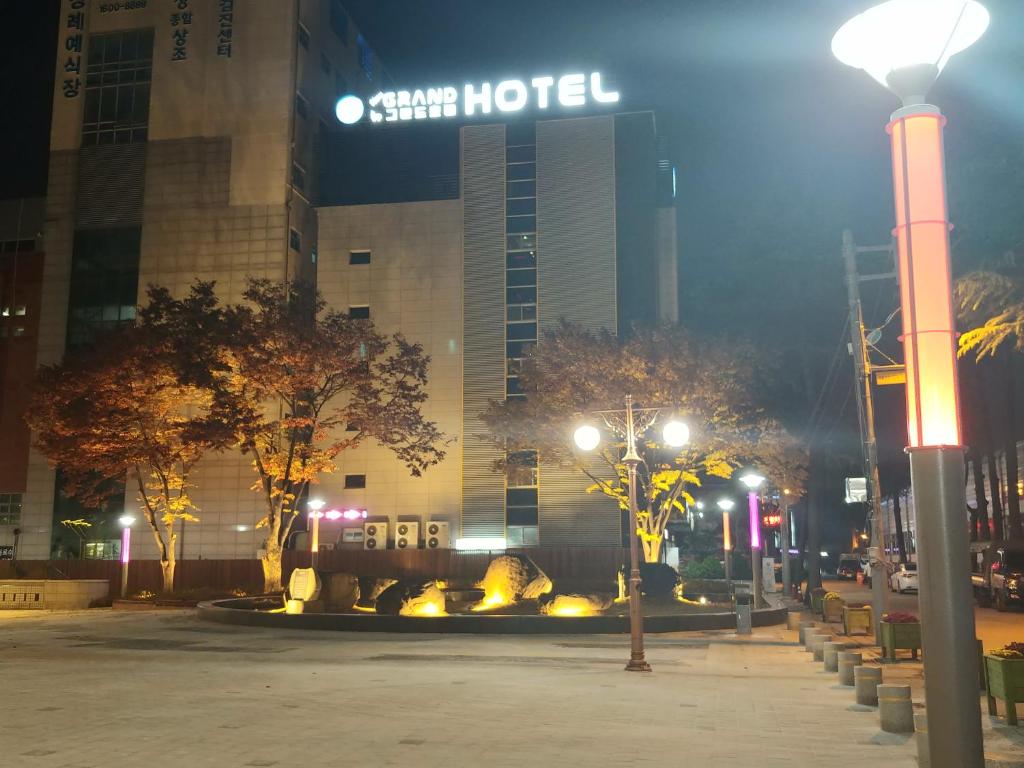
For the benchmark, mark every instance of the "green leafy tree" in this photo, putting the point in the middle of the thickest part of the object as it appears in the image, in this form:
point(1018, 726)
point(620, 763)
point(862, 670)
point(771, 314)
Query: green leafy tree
point(711, 385)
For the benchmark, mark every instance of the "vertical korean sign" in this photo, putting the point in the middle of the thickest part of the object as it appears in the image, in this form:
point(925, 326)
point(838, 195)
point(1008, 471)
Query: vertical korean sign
point(181, 23)
point(73, 33)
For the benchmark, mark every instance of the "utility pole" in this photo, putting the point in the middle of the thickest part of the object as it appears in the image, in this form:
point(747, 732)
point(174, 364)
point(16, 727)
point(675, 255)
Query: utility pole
point(866, 414)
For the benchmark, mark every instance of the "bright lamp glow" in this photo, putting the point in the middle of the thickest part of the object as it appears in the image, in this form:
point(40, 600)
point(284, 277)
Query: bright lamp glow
point(349, 109)
point(126, 520)
point(316, 504)
point(751, 479)
point(700, 505)
point(333, 514)
point(676, 433)
point(480, 543)
point(726, 505)
point(906, 33)
point(587, 437)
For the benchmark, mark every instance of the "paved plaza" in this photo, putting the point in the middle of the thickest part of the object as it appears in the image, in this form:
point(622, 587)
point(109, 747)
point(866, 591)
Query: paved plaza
point(154, 689)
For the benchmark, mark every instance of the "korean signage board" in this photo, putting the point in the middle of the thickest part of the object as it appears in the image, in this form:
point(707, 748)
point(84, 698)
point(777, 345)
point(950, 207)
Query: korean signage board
point(507, 97)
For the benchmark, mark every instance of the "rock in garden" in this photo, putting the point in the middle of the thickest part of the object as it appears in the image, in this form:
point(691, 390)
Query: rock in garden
point(572, 604)
point(371, 587)
point(511, 578)
point(340, 591)
point(411, 598)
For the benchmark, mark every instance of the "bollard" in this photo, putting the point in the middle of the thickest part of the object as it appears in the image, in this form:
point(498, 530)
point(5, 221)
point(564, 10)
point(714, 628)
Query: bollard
point(818, 646)
point(847, 661)
point(866, 681)
point(830, 655)
point(794, 620)
point(924, 759)
point(805, 632)
point(895, 709)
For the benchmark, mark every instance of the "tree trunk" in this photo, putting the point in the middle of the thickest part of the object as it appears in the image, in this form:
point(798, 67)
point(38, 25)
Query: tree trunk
point(652, 548)
point(997, 499)
point(271, 563)
point(980, 500)
point(897, 515)
point(167, 570)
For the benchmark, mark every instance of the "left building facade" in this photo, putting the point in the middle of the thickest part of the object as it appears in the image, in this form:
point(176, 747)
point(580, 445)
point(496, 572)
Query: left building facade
point(183, 137)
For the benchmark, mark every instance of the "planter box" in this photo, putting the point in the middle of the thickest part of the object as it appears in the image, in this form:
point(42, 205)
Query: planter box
point(1005, 680)
point(857, 619)
point(816, 601)
point(896, 637)
point(832, 610)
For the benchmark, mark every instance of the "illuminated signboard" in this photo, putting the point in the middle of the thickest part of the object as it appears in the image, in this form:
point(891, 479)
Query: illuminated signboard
point(508, 96)
point(772, 521)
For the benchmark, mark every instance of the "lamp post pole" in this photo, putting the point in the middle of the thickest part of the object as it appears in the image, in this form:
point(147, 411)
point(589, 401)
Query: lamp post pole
point(637, 662)
point(725, 505)
point(904, 45)
point(787, 575)
point(126, 543)
point(314, 506)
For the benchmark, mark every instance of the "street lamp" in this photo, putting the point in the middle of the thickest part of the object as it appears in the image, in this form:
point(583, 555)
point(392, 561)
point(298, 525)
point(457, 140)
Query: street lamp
point(632, 424)
point(904, 44)
point(753, 481)
point(726, 506)
point(314, 506)
point(126, 522)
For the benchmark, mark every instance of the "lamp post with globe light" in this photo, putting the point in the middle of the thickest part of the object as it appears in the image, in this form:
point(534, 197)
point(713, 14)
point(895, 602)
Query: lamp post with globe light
point(904, 44)
point(726, 506)
point(752, 480)
point(314, 506)
point(632, 424)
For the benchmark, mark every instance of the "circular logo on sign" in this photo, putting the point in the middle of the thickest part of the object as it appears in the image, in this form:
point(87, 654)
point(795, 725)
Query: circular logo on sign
point(349, 109)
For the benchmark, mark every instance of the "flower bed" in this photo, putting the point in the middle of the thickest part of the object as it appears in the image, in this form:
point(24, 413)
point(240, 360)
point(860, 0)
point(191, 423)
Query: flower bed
point(1004, 679)
point(900, 631)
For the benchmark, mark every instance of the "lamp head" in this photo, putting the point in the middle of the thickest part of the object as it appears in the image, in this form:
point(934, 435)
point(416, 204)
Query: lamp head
point(751, 479)
point(675, 433)
point(126, 521)
point(905, 44)
point(726, 505)
point(316, 504)
point(587, 437)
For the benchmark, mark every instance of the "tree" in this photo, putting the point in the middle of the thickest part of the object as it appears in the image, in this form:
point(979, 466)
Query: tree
point(307, 383)
point(126, 413)
point(711, 385)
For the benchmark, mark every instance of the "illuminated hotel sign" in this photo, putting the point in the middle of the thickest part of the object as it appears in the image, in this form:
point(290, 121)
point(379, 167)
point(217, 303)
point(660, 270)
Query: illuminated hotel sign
point(508, 96)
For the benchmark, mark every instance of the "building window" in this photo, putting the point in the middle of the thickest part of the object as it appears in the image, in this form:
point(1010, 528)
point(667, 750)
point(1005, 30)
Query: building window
point(522, 536)
point(294, 240)
point(339, 21)
point(359, 257)
point(521, 470)
point(340, 84)
point(117, 79)
point(355, 481)
point(104, 281)
point(301, 106)
point(325, 64)
point(303, 36)
point(10, 508)
point(359, 313)
point(298, 177)
point(365, 57)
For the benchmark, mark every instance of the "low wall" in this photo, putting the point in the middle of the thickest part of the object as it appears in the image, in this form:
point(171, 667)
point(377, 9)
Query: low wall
point(52, 594)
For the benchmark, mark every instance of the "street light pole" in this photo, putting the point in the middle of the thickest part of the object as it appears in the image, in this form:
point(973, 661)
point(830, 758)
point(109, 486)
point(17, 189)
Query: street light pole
point(725, 505)
point(637, 662)
point(126, 558)
point(904, 44)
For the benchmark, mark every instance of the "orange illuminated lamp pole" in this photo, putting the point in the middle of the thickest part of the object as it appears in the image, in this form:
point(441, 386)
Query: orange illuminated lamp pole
point(904, 44)
point(314, 506)
point(726, 506)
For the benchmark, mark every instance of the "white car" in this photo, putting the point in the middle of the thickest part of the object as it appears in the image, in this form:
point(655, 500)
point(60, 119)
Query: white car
point(904, 579)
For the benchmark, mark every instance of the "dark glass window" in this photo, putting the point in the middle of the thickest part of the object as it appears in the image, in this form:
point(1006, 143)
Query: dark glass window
point(518, 224)
point(522, 242)
point(340, 84)
point(521, 516)
point(303, 37)
point(355, 481)
point(117, 80)
point(518, 277)
point(339, 21)
point(527, 154)
point(365, 57)
point(521, 331)
point(516, 349)
point(104, 281)
point(520, 133)
point(520, 259)
point(521, 189)
point(521, 206)
point(298, 177)
point(521, 295)
point(294, 240)
point(359, 257)
point(522, 171)
point(359, 313)
point(325, 64)
point(301, 105)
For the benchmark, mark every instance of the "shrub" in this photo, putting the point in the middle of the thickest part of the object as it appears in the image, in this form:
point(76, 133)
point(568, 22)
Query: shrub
point(708, 568)
point(899, 618)
point(657, 579)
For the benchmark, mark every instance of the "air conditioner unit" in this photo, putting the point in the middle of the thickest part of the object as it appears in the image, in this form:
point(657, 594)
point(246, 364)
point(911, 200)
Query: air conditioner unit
point(407, 535)
point(437, 536)
point(375, 535)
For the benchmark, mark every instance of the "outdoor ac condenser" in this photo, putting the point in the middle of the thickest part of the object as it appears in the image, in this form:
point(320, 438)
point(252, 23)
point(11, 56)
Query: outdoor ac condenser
point(375, 535)
point(407, 535)
point(437, 535)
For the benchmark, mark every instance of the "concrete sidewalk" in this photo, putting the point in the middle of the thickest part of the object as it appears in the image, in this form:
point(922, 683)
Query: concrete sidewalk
point(162, 689)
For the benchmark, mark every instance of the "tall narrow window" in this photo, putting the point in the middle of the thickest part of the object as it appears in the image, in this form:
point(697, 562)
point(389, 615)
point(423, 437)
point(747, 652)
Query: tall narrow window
point(118, 73)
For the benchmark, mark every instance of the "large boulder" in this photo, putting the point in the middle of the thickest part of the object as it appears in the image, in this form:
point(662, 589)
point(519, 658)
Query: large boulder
point(370, 588)
point(511, 578)
point(574, 604)
point(656, 579)
point(340, 591)
point(411, 598)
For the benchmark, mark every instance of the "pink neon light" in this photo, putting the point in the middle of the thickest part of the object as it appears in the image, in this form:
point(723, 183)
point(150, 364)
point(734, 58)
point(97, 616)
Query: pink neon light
point(332, 514)
point(354, 514)
point(126, 541)
point(755, 520)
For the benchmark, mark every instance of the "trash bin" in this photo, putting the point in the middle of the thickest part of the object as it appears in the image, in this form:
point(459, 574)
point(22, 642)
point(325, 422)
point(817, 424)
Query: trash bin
point(743, 600)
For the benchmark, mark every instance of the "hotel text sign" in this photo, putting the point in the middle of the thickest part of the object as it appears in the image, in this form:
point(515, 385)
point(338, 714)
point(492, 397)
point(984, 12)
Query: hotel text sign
point(507, 96)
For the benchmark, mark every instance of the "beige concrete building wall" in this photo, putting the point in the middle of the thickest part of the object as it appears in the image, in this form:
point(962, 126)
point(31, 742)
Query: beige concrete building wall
point(412, 285)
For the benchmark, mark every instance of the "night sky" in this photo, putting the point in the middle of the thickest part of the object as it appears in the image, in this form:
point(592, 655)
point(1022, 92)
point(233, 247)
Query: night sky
point(779, 147)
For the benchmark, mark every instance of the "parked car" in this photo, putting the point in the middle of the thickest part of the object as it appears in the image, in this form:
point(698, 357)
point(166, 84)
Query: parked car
point(904, 578)
point(997, 573)
point(849, 567)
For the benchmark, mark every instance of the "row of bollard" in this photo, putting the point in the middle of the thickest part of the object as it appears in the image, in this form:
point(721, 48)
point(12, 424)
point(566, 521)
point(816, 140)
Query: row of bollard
point(895, 707)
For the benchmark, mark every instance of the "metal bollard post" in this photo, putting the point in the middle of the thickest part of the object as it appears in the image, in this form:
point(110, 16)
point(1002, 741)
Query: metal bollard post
point(830, 655)
point(895, 709)
point(848, 660)
point(866, 681)
point(818, 646)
